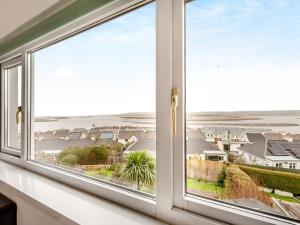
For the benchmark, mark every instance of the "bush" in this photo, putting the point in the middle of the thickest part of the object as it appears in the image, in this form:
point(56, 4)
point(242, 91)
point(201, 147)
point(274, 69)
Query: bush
point(118, 170)
point(222, 178)
point(274, 179)
point(69, 159)
point(113, 167)
point(90, 155)
point(239, 185)
point(117, 147)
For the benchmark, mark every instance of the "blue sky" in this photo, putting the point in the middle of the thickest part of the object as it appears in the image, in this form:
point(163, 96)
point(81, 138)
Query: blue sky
point(241, 55)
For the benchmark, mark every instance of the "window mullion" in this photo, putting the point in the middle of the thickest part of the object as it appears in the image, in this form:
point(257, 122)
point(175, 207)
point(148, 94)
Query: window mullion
point(164, 178)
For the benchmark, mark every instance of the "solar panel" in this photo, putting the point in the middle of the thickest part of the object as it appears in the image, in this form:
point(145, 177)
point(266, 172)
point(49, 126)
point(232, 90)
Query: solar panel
point(296, 152)
point(278, 152)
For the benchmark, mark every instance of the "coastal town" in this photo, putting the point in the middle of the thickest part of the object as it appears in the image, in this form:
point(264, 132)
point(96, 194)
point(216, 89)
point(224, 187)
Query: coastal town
point(272, 149)
point(256, 167)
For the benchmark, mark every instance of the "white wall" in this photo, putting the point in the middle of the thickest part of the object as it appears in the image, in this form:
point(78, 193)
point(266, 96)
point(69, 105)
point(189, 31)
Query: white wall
point(27, 212)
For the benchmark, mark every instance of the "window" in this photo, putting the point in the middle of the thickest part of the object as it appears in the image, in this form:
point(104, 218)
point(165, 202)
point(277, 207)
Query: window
point(251, 48)
point(12, 106)
point(292, 165)
point(96, 112)
point(94, 102)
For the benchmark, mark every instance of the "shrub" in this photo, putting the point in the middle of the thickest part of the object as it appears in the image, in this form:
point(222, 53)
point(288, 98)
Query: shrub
point(117, 147)
point(90, 155)
point(139, 168)
point(113, 167)
point(239, 185)
point(118, 171)
point(222, 178)
point(69, 159)
point(275, 179)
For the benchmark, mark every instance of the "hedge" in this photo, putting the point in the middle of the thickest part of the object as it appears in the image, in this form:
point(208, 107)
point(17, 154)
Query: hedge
point(90, 155)
point(283, 181)
point(69, 159)
point(297, 171)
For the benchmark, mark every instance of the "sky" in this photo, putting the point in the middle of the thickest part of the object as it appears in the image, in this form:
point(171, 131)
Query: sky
point(240, 55)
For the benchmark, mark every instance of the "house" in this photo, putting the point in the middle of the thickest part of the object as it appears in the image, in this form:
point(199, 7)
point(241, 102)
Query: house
point(284, 154)
point(143, 144)
point(125, 136)
point(78, 133)
point(196, 148)
point(227, 139)
point(52, 147)
point(53, 134)
point(101, 135)
point(201, 149)
point(255, 151)
point(276, 153)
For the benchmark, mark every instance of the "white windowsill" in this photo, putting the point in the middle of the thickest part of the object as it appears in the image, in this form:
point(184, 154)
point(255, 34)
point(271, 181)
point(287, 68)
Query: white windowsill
point(71, 205)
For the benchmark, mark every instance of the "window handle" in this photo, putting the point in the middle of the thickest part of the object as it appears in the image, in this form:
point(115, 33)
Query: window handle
point(19, 114)
point(174, 109)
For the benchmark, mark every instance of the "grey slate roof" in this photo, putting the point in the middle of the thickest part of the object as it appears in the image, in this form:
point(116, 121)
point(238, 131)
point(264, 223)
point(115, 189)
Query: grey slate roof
point(198, 145)
point(127, 134)
point(57, 134)
point(59, 144)
point(257, 146)
point(195, 134)
point(194, 145)
point(75, 135)
point(106, 135)
point(148, 144)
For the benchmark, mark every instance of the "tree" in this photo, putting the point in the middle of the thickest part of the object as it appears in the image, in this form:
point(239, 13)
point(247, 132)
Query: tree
point(89, 155)
point(69, 159)
point(139, 168)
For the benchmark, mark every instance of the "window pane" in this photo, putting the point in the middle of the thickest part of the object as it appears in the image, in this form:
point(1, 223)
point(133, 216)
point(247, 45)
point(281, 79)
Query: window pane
point(242, 103)
point(94, 102)
point(13, 101)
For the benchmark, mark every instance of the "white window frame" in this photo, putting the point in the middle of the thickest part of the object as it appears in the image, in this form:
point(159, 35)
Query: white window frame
point(10, 63)
point(172, 204)
point(229, 213)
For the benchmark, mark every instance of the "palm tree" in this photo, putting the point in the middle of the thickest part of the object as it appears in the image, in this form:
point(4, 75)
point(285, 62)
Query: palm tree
point(140, 168)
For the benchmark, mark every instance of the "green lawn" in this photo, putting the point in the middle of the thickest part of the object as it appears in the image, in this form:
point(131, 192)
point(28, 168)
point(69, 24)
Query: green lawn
point(203, 186)
point(283, 198)
point(97, 173)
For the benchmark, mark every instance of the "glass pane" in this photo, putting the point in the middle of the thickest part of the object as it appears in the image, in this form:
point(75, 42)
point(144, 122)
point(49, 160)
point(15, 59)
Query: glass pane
point(13, 98)
point(242, 103)
point(95, 102)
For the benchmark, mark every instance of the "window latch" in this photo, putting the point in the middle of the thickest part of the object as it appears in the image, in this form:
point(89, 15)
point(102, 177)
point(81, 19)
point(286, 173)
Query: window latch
point(174, 109)
point(19, 114)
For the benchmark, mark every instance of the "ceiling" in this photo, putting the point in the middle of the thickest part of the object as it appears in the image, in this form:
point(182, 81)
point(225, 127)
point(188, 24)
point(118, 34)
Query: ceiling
point(16, 16)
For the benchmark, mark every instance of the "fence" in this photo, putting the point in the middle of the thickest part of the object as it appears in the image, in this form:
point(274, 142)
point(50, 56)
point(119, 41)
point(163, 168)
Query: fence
point(204, 169)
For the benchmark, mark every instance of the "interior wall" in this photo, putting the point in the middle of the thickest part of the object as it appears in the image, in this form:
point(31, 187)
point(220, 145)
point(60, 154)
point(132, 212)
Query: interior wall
point(29, 213)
